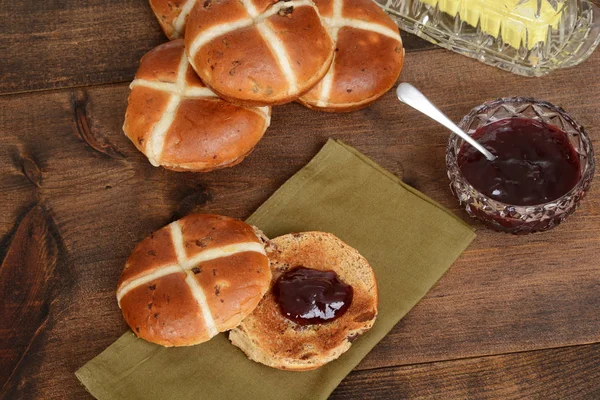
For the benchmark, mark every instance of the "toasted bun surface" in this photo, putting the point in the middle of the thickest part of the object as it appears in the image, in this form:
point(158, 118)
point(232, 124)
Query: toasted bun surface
point(266, 336)
point(192, 279)
point(368, 56)
point(258, 52)
point(180, 124)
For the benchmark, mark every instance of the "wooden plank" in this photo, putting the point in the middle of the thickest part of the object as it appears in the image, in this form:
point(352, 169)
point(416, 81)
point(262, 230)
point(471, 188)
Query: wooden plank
point(64, 152)
point(24, 309)
point(565, 373)
point(54, 44)
point(58, 44)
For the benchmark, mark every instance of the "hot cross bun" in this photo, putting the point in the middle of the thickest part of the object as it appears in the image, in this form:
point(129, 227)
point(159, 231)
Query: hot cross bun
point(192, 279)
point(258, 52)
point(368, 56)
point(181, 124)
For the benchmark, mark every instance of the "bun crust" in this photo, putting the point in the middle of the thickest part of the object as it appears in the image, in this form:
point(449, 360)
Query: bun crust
point(192, 279)
point(266, 336)
point(180, 124)
point(368, 58)
point(258, 52)
point(172, 15)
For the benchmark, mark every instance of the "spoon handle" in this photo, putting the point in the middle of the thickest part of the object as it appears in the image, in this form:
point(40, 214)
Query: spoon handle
point(410, 95)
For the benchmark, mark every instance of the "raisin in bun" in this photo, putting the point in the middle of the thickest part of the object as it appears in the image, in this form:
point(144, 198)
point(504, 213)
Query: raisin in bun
point(192, 279)
point(258, 52)
point(180, 124)
point(268, 337)
point(368, 56)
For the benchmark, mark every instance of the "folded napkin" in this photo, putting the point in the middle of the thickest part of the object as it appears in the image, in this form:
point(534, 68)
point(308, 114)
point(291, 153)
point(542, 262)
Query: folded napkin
point(409, 240)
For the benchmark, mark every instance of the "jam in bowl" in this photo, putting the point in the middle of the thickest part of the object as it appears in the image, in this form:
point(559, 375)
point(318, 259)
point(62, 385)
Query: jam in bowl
point(544, 165)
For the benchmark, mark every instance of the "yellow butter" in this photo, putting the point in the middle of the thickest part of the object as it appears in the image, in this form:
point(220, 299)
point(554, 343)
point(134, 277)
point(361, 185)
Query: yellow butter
point(517, 23)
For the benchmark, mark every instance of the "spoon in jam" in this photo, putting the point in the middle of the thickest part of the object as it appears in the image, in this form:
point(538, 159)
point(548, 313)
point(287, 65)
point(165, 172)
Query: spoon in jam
point(410, 95)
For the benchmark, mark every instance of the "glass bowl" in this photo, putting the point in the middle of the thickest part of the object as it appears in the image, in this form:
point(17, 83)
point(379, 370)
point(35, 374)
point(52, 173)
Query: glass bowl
point(514, 218)
point(526, 37)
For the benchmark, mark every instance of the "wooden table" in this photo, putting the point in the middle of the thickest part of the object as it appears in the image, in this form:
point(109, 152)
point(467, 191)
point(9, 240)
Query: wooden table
point(515, 317)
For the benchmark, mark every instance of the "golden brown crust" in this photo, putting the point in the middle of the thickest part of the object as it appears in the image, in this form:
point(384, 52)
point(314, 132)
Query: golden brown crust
point(242, 65)
point(368, 11)
point(334, 108)
point(211, 231)
point(164, 312)
point(153, 252)
point(206, 167)
point(308, 49)
point(212, 133)
point(167, 12)
point(234, 72)
point(268, 337)
point(233, 283)
point(367, 63)
point(205, 133)
point(325, 7)
point(214, 13)
point(161, 63)
point(144, 110)
point(156, 291)
point(366, 68)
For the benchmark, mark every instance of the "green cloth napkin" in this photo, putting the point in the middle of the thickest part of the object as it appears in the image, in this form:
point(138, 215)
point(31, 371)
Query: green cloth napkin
point(409, 240)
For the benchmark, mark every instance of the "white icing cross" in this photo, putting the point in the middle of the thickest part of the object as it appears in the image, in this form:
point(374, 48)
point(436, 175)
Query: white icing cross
point(336, 22)
point(178, 91)
point(270, 38)
point(179, 22)
point(186, 265)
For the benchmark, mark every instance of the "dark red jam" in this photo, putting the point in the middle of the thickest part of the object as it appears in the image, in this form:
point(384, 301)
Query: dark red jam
point(536, 163)
point(309, 296)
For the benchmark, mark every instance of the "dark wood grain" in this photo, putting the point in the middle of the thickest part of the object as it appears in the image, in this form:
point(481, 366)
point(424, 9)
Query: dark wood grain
point(25, 274)
point(33, 282)
point(53, 44)
point(59, 44)
point(566, 373)
point(63, 154)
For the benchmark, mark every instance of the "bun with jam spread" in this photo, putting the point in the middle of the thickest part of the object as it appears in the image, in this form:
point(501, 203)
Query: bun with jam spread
point(192, 279)
point(323, 295)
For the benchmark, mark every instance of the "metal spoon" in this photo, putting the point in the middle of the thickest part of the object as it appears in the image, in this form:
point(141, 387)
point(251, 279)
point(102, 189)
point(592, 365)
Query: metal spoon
point(410, 95)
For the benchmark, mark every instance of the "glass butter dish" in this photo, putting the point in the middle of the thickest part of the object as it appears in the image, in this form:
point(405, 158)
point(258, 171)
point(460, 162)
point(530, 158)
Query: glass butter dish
point(527, 37)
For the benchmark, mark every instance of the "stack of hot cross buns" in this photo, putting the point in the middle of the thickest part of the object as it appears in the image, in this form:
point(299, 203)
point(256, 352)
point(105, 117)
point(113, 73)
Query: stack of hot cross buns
point(203, 100)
